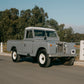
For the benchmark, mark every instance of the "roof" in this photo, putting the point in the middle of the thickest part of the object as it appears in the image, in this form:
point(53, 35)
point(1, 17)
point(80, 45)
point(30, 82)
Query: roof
point(40, 28)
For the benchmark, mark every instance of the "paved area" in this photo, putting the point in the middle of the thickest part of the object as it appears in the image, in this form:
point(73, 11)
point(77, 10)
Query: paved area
point(27, 72)
point(5, 54)
point(79, 63)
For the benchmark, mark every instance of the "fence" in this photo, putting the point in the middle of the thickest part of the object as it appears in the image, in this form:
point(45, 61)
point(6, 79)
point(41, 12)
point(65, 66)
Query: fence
point(1, 47)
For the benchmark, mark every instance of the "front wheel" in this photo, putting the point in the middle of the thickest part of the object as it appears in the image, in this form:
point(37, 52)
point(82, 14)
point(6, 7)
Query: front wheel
point(15, 56)
point(43, 59)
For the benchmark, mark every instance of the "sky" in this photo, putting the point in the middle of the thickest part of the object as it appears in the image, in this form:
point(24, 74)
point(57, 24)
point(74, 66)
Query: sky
point(68, 12)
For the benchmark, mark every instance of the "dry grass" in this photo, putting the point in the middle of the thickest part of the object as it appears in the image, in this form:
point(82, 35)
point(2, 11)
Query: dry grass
point(5, 48)
point(77, 51)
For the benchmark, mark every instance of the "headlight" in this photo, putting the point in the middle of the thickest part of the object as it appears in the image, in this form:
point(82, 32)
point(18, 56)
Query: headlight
point(73, 51)
point(56, 45)
point(65, 45)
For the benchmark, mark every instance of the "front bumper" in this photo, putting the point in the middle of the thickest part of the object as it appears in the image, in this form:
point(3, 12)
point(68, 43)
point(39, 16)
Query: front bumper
point(63, 55)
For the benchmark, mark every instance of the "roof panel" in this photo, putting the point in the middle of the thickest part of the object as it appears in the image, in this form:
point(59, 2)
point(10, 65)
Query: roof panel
point(40, 28)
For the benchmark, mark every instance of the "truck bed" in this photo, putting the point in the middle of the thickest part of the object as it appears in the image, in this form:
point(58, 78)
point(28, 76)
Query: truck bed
point(14, 43)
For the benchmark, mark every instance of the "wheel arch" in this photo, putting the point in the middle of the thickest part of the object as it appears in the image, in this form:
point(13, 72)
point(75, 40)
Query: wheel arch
point(39, 49)
point(13, 48)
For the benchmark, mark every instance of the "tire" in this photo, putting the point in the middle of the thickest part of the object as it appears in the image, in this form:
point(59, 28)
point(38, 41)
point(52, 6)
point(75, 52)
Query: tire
point(43, 59)
point(70, 62)
point(15, 56)
point(34, 59)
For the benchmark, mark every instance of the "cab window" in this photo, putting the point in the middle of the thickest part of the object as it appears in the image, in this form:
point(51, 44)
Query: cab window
point(29, 34)
point(39, 33)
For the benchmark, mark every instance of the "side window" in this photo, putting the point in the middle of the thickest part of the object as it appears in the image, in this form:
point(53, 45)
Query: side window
point(29, 34)
point(39, 32)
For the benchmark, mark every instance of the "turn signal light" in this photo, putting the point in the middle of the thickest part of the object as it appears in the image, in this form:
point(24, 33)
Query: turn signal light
point(75, 46)
point(50, 45)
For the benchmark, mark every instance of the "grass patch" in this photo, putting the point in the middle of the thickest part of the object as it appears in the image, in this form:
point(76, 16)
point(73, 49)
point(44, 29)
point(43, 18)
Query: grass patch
point(5, 48)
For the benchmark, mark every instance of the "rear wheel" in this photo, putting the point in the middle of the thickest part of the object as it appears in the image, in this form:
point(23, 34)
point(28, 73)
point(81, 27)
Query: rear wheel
point(15, 56)
point(70, 61)
point(43, 59)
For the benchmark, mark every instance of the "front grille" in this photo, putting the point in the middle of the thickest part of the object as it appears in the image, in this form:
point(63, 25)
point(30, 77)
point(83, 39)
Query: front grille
point(60, 48)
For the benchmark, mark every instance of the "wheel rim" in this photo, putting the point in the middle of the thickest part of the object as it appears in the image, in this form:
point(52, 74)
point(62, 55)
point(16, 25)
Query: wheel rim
point(14, 55)
point(42, 58)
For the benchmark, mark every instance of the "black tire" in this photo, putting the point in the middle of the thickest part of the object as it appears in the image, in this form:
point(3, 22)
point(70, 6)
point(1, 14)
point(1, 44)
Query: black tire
point(34, 59)
point(43, 59)
point(70, 62)
point(15, 56)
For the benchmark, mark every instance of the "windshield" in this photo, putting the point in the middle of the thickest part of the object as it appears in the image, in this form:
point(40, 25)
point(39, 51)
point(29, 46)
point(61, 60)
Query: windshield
point(51, 33)
point(43, 33)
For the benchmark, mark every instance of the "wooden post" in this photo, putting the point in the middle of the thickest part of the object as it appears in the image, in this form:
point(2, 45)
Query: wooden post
point(1, 47)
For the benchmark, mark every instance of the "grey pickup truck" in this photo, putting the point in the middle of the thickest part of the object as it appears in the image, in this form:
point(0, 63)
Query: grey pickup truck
point(43, 45)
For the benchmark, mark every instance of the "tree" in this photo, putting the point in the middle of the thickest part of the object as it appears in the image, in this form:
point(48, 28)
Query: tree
point(67, 35)
point(61, 27)
point(52, 23)
point(8, 24)
point(14, 13)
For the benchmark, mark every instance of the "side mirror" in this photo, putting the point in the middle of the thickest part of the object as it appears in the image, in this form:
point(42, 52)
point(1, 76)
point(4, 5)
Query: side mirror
point(45, 38)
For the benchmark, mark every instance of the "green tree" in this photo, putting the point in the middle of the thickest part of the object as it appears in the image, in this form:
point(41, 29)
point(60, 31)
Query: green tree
point(67, 35)
point(52, 24)
point(8, 24)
